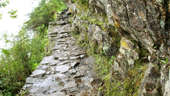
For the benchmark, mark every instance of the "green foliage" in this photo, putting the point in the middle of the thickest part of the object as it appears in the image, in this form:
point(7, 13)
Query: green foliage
point(82, 2)
point(22, 93)
point(13, 13)
point(104, 64)
point(117, 86)
point(45, 13)
point(27, 49)
point(113, 85)
point(95, 20)
point(164, 61)
point(19, 61)
point(4, 3)
point(1, 16)
point(85, 2)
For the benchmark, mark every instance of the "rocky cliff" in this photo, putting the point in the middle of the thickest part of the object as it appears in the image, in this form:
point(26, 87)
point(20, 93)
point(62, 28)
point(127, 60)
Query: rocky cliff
point(130, 40)
point(126, 43)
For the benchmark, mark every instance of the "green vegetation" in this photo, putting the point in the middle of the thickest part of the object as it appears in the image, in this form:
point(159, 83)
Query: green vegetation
point(81, 2)
point(45, 13)
point(28, 48)
point(17, 62)
point(13, 13)
point(129, 86)
point(4, 3)
point(164, 61)
point(113, 85)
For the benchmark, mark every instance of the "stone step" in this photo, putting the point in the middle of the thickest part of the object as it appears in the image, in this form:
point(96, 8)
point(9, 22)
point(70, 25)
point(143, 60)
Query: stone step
point(64, 72)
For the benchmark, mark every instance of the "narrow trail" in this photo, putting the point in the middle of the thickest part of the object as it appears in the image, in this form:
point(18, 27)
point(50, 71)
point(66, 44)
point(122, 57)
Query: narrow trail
point(67, 71)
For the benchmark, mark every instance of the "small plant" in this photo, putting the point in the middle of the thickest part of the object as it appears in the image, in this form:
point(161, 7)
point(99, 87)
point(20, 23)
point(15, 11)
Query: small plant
point(13, 14)
point(22, 93)
point(28, 48)
point(4, 3)
point(164, 61)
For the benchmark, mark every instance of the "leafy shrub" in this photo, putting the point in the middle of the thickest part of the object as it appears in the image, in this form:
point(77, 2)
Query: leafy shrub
point(45, 13)
point(19, 61)
point(4, 3)
point(28, 48)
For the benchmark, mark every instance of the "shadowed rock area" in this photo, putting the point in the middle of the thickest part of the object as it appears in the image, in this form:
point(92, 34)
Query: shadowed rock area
point(67, 71)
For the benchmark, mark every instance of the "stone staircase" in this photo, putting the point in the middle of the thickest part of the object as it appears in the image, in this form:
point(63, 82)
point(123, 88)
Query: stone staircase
point(67, 71)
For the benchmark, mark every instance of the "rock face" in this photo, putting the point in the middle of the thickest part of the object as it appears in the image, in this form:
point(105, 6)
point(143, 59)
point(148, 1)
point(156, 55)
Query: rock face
point(129, 41)
point(67, 71)
point(137, 33)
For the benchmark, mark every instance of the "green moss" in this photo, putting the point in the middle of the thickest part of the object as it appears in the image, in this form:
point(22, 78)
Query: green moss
point(95, 20)
point(81, 4)
point(103, 64)
point(128, 86)
point(113, 85)
point(22, 93)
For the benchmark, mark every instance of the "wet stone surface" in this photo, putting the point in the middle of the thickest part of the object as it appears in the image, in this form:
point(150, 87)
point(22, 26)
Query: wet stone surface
point(62, 73)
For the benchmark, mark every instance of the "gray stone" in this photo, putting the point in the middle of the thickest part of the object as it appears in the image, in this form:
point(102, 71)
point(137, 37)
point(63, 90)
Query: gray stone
point(38, 73)
point(151, 83)
point(72, 71)
point(70, 84)
point(60, 73)
point(58, 94)
point(43, 67)
point(31, 80)
point(167, 87)
point(49, 60)
point(74, 57)
point(62, 68)
point(46, 60)
point(73, 64)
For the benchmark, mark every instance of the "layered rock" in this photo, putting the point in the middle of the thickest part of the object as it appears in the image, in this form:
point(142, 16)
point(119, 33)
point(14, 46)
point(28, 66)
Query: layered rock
point(67, 71)
point(136, 32)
